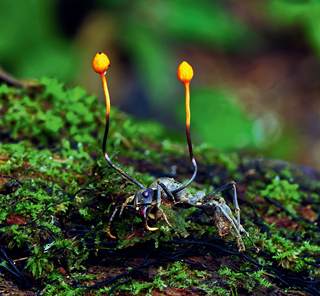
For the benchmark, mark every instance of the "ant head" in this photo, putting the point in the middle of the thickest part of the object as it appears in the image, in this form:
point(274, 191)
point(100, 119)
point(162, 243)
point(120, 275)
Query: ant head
point(143, 199)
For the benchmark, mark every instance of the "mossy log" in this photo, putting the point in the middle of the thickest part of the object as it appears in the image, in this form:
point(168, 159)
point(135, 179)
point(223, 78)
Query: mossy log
point(57, 194)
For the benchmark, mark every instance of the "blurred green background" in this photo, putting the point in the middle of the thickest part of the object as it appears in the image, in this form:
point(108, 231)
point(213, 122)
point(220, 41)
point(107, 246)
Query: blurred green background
point(257, 63)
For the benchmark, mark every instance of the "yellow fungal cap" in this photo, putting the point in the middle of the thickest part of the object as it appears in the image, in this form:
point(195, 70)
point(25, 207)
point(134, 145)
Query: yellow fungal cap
point(185, 72)
point(100, 63)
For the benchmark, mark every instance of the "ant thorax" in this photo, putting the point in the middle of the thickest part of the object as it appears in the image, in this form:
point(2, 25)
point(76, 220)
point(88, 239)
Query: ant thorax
point(171, 184)
point(182, 196)
point(149, 196)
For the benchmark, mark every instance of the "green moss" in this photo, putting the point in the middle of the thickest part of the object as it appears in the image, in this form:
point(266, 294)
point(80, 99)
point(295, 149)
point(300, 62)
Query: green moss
point(292, 256)
point(57, 195)
point(286, 193)
point(176, 275)
point(243, 280)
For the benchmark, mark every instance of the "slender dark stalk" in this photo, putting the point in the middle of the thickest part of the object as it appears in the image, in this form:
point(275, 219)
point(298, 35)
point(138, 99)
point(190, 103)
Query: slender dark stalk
point(188, 136)
point(106, 133)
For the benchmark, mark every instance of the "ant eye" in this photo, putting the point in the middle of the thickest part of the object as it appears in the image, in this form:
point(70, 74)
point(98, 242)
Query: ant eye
point(147, 193)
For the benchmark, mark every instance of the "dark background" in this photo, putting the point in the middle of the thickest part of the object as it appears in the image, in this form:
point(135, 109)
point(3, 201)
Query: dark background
point(257, 72)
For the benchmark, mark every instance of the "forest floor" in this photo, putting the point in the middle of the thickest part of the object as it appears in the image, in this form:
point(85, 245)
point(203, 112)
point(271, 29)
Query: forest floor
point(57, 195)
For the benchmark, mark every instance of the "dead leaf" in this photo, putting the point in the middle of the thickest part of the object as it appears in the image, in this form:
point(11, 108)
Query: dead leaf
point(308, 213)
point(15, 219)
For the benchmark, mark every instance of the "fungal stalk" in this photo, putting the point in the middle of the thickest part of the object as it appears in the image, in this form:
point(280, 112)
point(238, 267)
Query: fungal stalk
point(185, 74)
point(100, 65)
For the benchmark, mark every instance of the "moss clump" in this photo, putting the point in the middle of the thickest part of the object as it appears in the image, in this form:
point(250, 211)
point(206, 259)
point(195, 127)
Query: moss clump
point(57, 194)
point(177, 275)
point(284, 192)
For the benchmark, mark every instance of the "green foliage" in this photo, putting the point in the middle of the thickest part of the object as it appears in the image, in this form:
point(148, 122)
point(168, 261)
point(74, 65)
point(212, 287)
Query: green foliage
point(203, 22)
point(69, 121)
point(179, 275)
point(214, 109)
point(52, 166)
point(46, 52)
point(40, 49)
point(58, 286)
point(39, 264)
point(247, 280)
point(283, 191)
point(44, 213)
point(302, 13)
point(44, 119)
point(291, 255)
point(176, 275)
point(151, 36)
point(208, 23)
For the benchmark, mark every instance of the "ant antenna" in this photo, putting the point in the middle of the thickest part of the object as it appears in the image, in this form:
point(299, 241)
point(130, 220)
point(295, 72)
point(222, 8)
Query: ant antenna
point(185, 74)
point(100, 65)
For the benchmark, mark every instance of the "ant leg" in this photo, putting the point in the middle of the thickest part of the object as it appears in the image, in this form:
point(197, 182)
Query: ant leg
point(237, 208)
point(236, 228)
point(167, 192)
point(110, 222)
point(224, 187)
point(227, 186)
point(165, 217)
point(225, 210)
point(159, 205)
point(225, 213)
point(235, 202)
point(128, 200)
point(158, 195)
point(150, 228)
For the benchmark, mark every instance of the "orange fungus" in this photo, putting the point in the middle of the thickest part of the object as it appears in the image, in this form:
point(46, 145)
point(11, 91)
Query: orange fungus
point(185, 72)
point(100, 63)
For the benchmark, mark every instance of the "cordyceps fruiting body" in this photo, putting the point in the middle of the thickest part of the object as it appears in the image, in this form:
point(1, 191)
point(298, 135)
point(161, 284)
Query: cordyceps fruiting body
point(148, 199)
